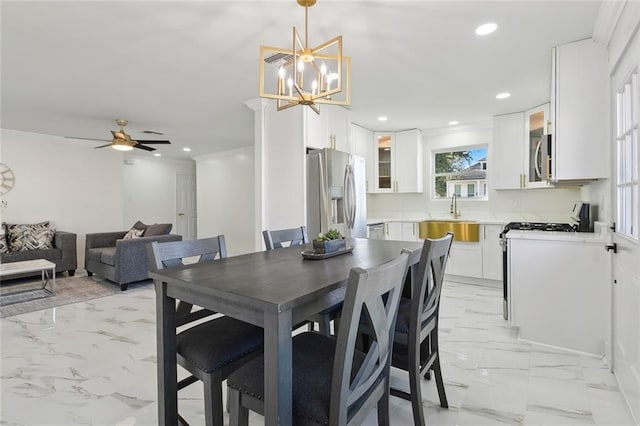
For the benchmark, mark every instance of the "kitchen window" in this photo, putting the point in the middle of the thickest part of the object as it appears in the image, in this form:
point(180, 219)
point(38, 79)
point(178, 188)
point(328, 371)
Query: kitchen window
point(462, 172)
point(627, 157)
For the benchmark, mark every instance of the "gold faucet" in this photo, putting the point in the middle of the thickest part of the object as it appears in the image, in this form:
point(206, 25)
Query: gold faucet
point(454, 206)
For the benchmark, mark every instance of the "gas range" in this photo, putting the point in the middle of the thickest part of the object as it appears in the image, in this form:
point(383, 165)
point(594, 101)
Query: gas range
point(539, 226)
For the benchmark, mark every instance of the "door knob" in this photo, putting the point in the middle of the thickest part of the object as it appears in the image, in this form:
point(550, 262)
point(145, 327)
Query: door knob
point(611, 247)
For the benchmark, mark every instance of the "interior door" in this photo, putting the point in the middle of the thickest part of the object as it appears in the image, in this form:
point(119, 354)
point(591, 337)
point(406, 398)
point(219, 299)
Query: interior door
point(626, 244)
point(186, 213)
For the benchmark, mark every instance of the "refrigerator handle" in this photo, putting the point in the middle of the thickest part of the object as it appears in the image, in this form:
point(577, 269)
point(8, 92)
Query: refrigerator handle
point(325, 207)
point(349, 196)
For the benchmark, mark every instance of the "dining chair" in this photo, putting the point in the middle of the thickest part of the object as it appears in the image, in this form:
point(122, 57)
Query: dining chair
point(295, 237)
point(211, 350)
point(415, 348)
point(333, 382)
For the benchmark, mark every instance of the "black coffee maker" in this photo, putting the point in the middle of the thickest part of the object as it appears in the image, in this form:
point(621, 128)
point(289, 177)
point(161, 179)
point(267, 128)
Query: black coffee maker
point(583, 215)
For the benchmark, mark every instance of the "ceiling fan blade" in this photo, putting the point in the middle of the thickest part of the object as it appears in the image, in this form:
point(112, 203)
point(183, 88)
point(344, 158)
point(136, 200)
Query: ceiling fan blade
point(152, 141)
point(146, 148)
point(102, 146)
point(151, 132)
point(86, 139)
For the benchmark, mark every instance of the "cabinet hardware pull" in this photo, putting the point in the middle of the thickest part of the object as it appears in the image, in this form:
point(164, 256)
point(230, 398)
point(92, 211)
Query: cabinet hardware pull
point(611, 247)
point(548, 169)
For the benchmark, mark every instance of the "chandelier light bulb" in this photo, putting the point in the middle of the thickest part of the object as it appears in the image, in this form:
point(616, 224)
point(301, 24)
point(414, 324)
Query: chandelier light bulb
point(323, 69)
point(290, 84)
point(281, 72)
point(314, 86)
point(300, 66)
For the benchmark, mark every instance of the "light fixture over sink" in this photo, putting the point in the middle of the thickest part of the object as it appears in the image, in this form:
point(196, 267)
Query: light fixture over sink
point(304, 75)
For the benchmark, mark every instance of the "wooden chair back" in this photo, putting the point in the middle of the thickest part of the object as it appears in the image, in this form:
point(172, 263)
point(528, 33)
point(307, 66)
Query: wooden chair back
point(373, 294)
point(292, 236)
point(430, 276)
point(174, 253)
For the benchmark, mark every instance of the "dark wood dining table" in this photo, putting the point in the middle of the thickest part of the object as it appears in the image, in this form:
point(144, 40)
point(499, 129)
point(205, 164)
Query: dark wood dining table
point(272, 289)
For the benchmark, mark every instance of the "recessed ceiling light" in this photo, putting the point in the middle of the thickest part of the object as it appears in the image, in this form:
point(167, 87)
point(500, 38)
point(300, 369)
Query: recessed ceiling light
point(157, 154)
point(186, 149)
point(503, 95)
point(487, 28)
point(453, 123)
point(383, 118)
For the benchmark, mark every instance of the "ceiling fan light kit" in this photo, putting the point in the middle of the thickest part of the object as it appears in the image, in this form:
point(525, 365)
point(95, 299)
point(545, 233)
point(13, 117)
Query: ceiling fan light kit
point(303, 75)
point(123, 142)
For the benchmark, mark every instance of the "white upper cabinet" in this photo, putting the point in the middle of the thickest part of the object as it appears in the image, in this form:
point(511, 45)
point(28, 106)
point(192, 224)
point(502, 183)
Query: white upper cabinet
point(329, 129)
point(338, 127)
point(408, 161)
point(521, 150)
point(507, 151)
point(538, 148)
point(579, 111)
point(362, 145)
point(397, 161)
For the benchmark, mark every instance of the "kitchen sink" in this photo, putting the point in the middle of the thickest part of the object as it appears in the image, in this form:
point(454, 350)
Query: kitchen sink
point(463, 230)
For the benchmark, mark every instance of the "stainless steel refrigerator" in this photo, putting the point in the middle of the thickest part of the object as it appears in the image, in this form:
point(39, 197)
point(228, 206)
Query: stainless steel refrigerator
point(336, 193)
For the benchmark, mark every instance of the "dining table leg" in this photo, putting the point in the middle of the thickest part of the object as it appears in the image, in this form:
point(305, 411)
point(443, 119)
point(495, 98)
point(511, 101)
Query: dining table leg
point(277, 368)
point(166, 357)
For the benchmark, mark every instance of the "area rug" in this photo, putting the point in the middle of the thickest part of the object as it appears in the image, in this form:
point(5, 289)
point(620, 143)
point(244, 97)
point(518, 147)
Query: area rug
point(68, 290)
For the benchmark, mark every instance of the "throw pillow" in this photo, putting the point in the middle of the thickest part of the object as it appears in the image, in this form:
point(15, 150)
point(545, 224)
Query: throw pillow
point(158, 229)
point(133, 233)
point(4, 246)
point(23, 237)
point(140, 225)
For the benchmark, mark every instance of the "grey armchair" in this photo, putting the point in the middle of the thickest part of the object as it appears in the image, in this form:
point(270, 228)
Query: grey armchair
point(109, 256)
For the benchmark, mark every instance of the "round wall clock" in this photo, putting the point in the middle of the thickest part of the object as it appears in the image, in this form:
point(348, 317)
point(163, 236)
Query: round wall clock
point(7, 179)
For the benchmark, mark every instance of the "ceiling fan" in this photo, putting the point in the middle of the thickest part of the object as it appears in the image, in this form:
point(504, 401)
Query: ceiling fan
point(123, 142)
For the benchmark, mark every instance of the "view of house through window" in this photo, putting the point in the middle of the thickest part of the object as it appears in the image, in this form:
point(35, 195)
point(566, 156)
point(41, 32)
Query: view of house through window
point(462, 172)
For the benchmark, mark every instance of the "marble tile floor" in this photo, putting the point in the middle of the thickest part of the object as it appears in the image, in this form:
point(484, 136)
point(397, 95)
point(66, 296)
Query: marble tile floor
point(95, 363)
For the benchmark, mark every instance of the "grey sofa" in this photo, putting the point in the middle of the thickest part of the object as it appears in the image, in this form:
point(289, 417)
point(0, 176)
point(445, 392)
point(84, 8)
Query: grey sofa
point(64, 254)
point(121, 261)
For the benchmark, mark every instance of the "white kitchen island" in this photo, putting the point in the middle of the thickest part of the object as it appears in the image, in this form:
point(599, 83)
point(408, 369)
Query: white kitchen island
point(559, 289)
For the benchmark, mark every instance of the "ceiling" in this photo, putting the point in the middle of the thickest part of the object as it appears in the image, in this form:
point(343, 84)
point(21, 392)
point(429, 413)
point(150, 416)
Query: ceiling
point(185, 68)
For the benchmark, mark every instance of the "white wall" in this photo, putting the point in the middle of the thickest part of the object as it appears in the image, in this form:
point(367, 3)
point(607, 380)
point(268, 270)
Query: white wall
point(225, 188)
point(507, 205)
point(77, 188)
point(150, 188)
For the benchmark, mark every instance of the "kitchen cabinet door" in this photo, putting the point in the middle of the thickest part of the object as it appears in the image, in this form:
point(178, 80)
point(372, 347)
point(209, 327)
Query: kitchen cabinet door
point(408, 161)
point(338, 124)
point(329, 129)
point(362, 145)
point(384, 155)
point(398, 159)
point(537, 151)
point(393, 231)
point(409, 231)
point(507, 151)
point(315, 129)
point(491, 252)
point(579, 106)
point(465, 259)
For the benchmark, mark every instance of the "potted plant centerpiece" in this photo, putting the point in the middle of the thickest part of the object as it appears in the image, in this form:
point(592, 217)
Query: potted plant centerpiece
point(329, 242)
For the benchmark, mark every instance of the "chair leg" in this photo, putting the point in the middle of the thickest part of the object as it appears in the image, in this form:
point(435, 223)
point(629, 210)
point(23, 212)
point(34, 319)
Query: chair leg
point(383, 408)
point(238, 415)
point(414, 385)
point(437, 372)
point(325, 325)
point(213, 409)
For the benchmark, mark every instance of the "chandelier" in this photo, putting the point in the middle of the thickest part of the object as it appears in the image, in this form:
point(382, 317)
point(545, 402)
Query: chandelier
point(303, 75)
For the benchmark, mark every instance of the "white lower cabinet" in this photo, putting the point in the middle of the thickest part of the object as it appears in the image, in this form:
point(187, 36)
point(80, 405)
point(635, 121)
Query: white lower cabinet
point(465, 259)
point(491, 252)
point(401, 231)
point(558, 291)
